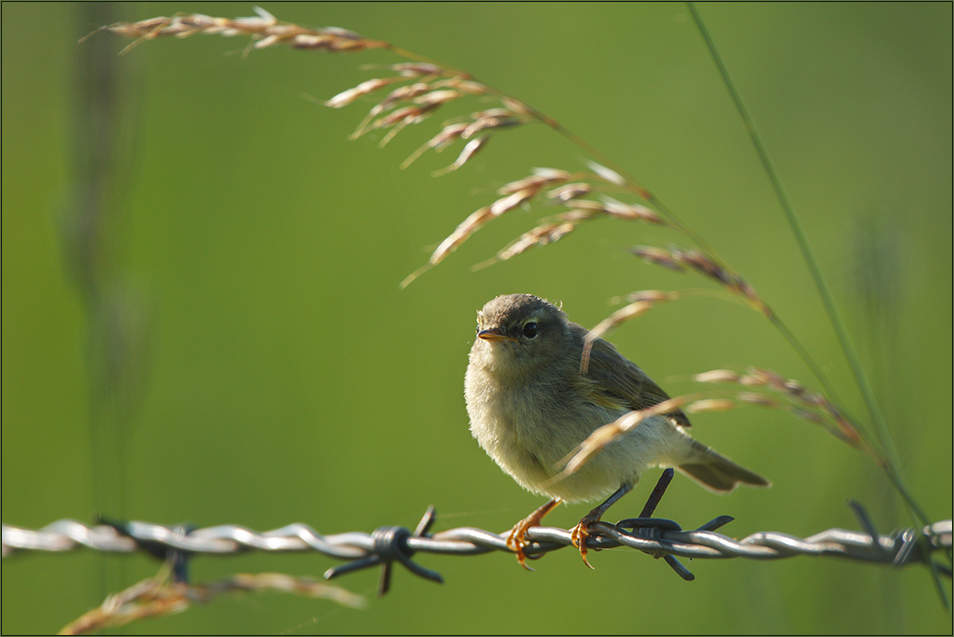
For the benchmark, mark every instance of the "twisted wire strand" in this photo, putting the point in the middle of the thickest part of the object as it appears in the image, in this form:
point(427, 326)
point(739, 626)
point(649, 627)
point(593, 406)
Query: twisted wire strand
point(655, 536)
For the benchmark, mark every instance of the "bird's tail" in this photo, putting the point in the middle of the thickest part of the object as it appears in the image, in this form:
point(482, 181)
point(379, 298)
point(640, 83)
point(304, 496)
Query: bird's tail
point(716, 472)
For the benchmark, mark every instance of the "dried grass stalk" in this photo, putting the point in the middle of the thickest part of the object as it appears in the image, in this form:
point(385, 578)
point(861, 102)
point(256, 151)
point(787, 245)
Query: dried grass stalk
point(679, 260)
point(641, 302)
point(156, 597)
point(417, 90)
point(264, 29)
point(570, 192)
point(710, 404)
point(470, 149)
point(797, 399)
point(792, 397)
point(539, 236)
point(606, 434)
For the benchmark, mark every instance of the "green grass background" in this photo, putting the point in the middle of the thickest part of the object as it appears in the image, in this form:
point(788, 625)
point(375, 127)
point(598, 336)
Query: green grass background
point(272, 371)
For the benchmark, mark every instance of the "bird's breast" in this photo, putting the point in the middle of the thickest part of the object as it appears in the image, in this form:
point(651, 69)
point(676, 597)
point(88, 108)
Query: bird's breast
point(528, 429)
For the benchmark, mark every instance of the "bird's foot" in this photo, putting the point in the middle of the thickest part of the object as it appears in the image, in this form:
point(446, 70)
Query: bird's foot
point(581, 531)
point(517, 540)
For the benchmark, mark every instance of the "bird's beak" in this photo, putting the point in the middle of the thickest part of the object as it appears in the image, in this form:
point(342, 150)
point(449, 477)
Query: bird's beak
point(494, 334)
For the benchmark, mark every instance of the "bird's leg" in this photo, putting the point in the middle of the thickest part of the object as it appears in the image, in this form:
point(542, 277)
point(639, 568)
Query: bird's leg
point(658, 491)
point(581, 531)
point(517, 539)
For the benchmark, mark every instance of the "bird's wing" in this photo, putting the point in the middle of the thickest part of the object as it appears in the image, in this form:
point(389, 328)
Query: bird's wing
point(620, 378)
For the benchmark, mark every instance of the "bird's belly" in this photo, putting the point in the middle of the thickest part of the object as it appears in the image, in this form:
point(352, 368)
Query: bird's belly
point(532, 444)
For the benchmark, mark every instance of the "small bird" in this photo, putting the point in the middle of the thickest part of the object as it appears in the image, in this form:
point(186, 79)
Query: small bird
point(530, 406)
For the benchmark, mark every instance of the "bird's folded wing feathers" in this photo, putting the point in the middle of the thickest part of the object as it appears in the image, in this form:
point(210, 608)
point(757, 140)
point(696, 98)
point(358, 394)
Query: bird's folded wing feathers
point(622, 379)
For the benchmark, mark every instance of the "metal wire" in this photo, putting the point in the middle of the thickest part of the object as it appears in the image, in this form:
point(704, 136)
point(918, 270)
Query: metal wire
point(386, 545)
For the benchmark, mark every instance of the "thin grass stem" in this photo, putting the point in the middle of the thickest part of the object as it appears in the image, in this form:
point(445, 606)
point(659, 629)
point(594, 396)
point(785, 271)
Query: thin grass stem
point(892, 465)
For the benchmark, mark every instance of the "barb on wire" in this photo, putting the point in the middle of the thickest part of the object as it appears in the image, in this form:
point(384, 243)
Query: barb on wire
point(657, 537)
point(390, 543)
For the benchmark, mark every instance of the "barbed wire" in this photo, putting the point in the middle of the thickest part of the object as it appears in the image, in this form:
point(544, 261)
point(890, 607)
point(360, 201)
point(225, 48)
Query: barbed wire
point(386, 545)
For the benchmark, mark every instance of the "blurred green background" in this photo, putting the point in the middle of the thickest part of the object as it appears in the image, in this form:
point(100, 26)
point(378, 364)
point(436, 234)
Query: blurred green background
point(223, 340)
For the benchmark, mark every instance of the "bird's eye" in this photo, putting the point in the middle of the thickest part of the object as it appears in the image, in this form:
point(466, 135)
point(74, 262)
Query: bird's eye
point(530, 330)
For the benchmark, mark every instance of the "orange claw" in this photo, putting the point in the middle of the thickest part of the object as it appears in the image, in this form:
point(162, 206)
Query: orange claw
point(581, 531)
point(579, 535)
point(517, 539)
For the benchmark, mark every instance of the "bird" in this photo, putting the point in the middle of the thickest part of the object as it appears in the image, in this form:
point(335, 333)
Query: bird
point(530, 405)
